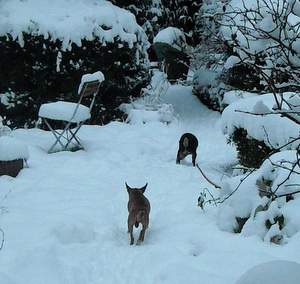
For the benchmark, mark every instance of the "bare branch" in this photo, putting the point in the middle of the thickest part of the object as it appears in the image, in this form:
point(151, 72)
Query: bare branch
point(202, 173)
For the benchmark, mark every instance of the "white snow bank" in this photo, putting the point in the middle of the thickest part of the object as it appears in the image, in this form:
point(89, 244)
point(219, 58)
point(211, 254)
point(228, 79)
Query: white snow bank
point(65, 111)
point(235, 95)
point(69, 21)
point(97, 76)
point(279, 130)
point(163, 113)
point(172, 36)
point(272, 272)
point(12, 149)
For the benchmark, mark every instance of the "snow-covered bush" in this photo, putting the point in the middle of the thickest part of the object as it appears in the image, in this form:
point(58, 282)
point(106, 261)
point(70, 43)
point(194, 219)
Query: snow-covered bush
point(184, 15)
point(208, 57)
point(266, 201)
point(53, 50)
point(264, 38)
point(257, 129)
point(148, 14)
point(170, 47)
point(149, 107)
point(259, 42)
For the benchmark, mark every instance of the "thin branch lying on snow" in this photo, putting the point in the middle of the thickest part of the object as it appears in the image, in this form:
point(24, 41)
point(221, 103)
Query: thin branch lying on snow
point(202, 173)
point(202, 197)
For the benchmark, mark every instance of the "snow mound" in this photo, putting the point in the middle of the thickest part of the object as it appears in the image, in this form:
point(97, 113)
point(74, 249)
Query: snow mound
point(280, 130)
point(12, 149)
point(172, 36)
point(70, 21)
point(272, 272)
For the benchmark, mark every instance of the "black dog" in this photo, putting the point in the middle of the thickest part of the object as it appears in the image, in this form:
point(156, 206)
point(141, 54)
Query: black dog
point(188, 144)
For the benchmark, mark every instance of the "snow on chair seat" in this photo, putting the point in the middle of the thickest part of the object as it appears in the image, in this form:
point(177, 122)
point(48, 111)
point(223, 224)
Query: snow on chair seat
point(65, 111)
point(71, 113)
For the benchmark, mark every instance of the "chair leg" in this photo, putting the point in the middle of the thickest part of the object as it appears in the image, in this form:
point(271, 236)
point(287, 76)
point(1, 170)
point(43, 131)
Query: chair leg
point(57, 135)
point(73, 136)
point(61, 135)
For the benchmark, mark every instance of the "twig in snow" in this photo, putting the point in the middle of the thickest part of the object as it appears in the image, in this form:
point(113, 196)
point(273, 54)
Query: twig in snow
point(202, 173)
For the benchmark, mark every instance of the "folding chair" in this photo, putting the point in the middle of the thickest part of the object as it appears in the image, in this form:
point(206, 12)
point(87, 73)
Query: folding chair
point(71, 113)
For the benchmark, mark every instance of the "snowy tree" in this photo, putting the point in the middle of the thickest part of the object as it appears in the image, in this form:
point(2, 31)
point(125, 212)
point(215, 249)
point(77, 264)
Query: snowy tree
point(264, 38)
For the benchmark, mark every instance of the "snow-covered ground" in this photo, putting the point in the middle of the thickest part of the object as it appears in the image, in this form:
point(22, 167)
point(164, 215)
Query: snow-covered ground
point(65, 217)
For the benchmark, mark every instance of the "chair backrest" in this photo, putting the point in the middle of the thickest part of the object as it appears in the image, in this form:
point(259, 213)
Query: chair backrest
point(89, 88)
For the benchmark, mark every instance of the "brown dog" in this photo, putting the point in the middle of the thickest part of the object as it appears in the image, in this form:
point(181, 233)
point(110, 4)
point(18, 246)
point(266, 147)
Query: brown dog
point(138, 209)
point(188, 144)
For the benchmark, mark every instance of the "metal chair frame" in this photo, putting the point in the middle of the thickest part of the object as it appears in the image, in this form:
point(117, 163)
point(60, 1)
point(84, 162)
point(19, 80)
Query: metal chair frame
point(68, 133)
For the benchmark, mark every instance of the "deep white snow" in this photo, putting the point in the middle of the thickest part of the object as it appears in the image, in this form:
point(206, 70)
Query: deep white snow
point(65, 216)
point(273, 272)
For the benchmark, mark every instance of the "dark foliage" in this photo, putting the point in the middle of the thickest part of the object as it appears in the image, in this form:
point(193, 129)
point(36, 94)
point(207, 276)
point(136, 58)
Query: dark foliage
point(31, 74)
point(207, 97)
point(240, 224)
point(251, 152)
point(183, 14)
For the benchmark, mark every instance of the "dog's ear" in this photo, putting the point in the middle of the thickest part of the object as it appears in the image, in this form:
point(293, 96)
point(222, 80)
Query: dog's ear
point(144, 188)
point(127, 187)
